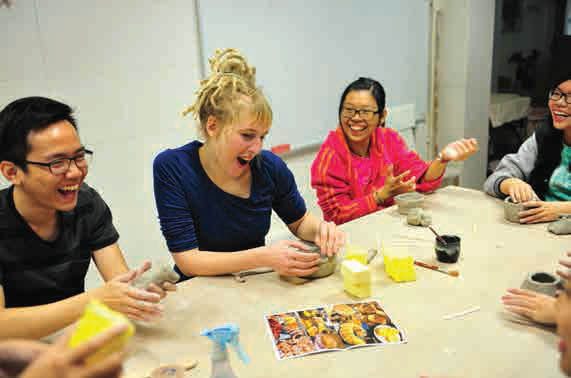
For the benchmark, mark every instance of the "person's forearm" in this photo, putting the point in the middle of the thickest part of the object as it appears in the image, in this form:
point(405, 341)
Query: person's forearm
point(434, 171)
point(39, 321)
point(307, 228)
point(565, 207)
point(204, 263)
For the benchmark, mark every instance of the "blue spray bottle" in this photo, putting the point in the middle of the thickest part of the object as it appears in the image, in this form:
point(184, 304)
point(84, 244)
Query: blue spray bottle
point(222, 335)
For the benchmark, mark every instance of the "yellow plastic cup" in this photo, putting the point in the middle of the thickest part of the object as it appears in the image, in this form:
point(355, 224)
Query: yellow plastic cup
point(97, 318)
point(399, 265)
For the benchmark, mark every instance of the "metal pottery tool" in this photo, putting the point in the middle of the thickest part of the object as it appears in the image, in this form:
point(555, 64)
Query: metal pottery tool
point(453, 273)
point(240, 276)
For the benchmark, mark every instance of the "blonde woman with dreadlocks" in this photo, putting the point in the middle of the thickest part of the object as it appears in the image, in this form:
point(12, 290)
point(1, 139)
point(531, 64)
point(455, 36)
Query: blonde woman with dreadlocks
point(218, 196)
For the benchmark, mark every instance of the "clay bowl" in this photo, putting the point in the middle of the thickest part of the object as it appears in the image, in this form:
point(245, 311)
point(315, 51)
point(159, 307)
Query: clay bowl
point(512, 209)
point(408, 201)
point(327, 265)
point(542, 282)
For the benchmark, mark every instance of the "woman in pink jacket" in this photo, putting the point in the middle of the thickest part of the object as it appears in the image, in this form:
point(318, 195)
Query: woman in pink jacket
point(362, 165)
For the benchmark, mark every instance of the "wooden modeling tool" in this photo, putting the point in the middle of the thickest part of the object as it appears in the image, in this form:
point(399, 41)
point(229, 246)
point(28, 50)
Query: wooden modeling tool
point(440, 238)
point(453, 273)
point(175, 371)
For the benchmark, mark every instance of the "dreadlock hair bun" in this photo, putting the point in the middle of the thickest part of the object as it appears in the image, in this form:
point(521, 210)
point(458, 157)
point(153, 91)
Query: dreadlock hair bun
point(228, 90)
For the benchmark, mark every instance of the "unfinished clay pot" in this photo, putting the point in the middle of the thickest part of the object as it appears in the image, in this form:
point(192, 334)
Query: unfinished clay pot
point(512, 209)
point(408, 201)
point(327, 265)
point(561, 226)
point(541, 282)
point(159, 274)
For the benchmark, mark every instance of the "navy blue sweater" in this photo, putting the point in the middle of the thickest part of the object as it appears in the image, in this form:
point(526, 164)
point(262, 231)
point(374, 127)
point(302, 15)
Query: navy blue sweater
point(195, 213)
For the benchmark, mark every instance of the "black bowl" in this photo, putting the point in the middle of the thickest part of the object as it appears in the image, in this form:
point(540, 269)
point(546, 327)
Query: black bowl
point(450, 252)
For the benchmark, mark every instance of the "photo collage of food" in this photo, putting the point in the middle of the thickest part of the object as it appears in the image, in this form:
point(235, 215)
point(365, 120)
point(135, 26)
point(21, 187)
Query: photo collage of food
point(335, 327)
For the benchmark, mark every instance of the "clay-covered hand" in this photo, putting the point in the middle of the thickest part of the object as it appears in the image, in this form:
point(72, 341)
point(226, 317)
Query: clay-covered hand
point(540, 211)
point(60, 361)
point(148, 282)
point(329, 238)
point(16, 355)
point(518, 190)
point(460, 150)
point(395, 185)
point(566, 262)
point(288, 259)
point(538, 307)
point(120, 295)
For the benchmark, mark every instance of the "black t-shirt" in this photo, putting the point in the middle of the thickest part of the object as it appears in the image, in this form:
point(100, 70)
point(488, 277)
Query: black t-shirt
point(34, 271)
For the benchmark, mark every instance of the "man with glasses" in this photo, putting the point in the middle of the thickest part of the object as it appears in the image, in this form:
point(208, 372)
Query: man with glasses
point(52, 224)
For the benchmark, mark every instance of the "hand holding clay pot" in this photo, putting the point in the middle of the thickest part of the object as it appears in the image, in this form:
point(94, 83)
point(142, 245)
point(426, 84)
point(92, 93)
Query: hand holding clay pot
point(329, 238)
point(459, 150)
point(290, 258)
point(541, 211)
point(566, 262)
point(518, 190)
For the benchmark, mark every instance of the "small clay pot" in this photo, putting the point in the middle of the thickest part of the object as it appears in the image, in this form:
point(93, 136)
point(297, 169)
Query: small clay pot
point(408, 201)
point(327, 265)
point(511, 210)
point(542, 282)
point(450, 252)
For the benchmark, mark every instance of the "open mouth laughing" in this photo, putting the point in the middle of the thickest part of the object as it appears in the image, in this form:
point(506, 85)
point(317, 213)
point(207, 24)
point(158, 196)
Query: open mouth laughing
point(68, 192)
point(243, 162)
point(559, 116)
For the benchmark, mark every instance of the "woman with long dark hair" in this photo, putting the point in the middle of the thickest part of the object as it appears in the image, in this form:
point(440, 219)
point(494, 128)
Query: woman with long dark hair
point(539, 174)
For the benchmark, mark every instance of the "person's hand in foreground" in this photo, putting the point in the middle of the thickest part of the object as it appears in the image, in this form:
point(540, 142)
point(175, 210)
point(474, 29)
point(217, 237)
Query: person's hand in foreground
point(329, 238)
point(161, 290)
point(518, 190)
point(16, 355)
point(538, 307)
point(121, 296)
point(60, 361)
point(540, 211)
point(566, 262)
point(289, 258)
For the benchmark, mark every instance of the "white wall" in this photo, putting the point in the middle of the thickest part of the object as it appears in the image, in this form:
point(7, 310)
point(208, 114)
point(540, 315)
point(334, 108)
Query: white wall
point(307, 52)
point(463, 79)
point(480, 32)
point(129, 68)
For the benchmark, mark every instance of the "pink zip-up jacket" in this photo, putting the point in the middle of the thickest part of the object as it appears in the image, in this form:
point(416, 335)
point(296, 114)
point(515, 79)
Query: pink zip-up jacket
point(340, 195)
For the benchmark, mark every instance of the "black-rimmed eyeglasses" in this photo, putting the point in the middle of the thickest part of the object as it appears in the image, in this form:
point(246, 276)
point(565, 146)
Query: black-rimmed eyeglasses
point(365, 114)
point(556, 95)
point(61, 166)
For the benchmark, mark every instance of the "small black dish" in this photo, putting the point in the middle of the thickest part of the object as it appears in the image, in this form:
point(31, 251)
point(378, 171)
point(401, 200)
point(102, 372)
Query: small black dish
point(450, 252)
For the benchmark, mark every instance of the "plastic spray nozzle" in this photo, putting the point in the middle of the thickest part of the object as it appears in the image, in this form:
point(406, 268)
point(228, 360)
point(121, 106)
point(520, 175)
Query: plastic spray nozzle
point(227, 334)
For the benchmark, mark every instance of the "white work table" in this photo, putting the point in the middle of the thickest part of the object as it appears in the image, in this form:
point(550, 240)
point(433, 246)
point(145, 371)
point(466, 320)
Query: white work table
point(489, 343)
